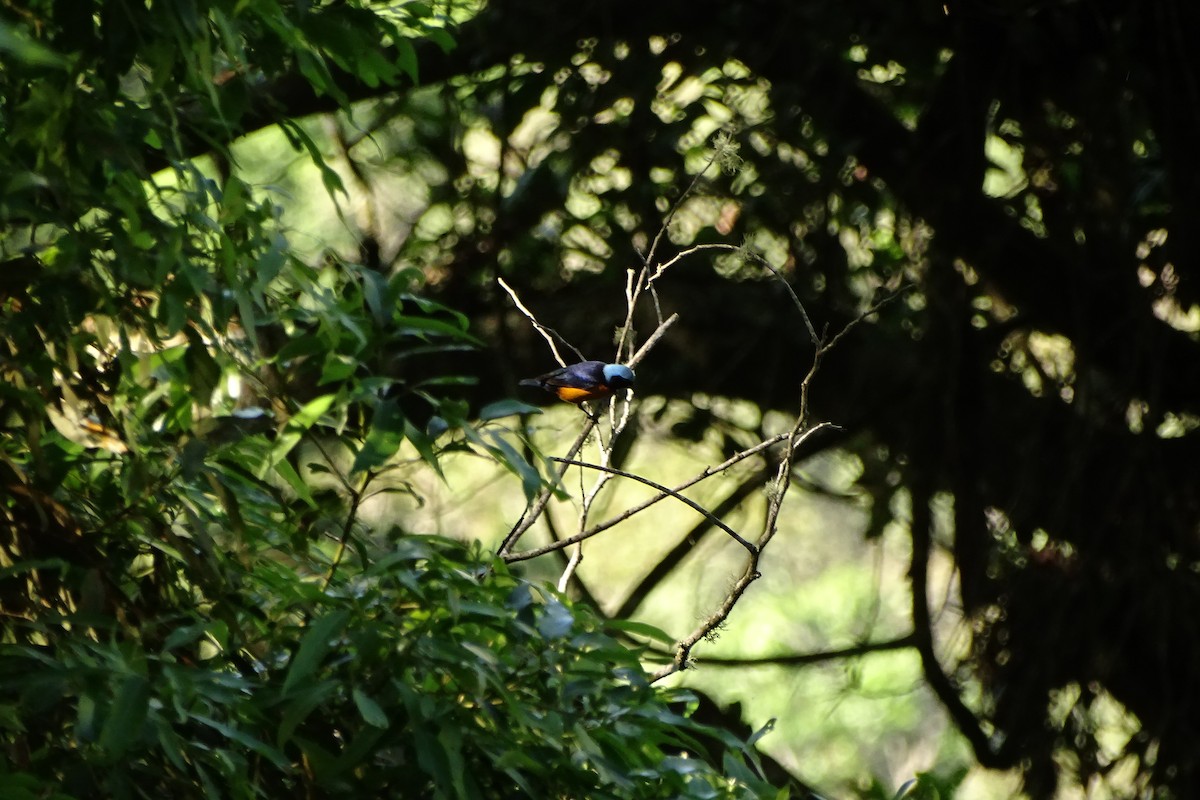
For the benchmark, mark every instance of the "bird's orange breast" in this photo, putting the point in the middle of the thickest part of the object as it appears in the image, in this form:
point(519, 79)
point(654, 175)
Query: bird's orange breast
point(574, 394)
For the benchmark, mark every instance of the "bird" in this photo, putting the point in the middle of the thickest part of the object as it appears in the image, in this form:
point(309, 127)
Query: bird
point(587, 380)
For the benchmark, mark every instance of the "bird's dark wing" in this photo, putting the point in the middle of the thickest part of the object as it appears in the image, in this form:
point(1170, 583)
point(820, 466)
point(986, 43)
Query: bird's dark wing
point(585, 374)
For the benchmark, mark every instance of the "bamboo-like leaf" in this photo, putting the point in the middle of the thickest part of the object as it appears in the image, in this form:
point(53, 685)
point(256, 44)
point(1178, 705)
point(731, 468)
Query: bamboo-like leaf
point(315, 645)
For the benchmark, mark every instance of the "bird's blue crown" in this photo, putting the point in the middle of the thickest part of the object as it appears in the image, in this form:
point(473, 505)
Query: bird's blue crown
point(618, 376)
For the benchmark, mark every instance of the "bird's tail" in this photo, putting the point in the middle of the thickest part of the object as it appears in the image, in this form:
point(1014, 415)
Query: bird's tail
point(534, 382)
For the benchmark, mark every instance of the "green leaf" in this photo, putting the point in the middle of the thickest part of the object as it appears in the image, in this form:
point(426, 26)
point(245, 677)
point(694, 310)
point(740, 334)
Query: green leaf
point(86, 716)
point(425, 326)
point(442, 38)
point(507, 455)
point(184, 635)
point(371, 712)
point(317, 73)
point(14, 42)
point(450, 739)
point(122, 726)
point(406, 58)
point(239, 736)
point(307, 416)
point(378, 295)
point(313, 647)
point(641, 629)
point(506, 408)
point(424, 446)
point(303, 703)
point(233, 199)
point(385, 437)
point(285, 470)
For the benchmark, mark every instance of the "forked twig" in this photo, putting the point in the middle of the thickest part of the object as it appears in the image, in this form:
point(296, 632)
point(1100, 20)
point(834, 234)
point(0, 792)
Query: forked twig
point(683, 648)
point(535, 509)
point(635, 286)
point(782, 483)
point(707, 472)
point(639, 281)
point(685, 500)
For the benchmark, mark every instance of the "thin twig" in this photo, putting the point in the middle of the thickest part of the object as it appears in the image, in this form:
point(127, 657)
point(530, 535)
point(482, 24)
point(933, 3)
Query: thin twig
point(538, 506)
point(705, 473)
point(750, 573)
point(812, 332)
point(589, 497)
point(356, 497)
point(750, 484)
point(662, 229)
point(549, 334)
point(683, 648)
point(801, 659)
point(682, 254)
point(873, 309)
point(638, 284)
point(729, 248)
point(653, 340)
point(535, 509)
point(686, 501)
point(573, 563)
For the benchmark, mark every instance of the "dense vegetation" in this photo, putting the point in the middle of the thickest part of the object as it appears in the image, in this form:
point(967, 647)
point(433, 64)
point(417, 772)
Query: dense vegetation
point(199, 404)
point(193, 603)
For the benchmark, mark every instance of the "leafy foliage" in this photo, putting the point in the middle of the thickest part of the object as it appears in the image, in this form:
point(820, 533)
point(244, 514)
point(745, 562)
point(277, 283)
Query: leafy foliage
point(191, 421)
point(421, 675)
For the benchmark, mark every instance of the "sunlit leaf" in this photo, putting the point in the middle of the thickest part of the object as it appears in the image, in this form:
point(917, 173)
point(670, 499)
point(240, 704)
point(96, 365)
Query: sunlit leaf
point(427, 326)
point(311, 412)
point(424, 446)
point(285, 470)
point(531, 481)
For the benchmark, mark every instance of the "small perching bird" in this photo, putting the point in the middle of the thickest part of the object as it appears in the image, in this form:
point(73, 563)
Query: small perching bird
point(587, 380)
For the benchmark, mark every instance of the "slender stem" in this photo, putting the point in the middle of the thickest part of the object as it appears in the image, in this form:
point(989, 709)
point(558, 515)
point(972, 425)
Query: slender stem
point(801, 659)
point(685, 500)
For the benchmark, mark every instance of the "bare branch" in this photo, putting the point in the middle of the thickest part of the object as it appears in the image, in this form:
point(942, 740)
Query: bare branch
point(653, 340)
point(573, 563)
point(535, 509)
point(802, 659)
point(873, 309)
point(705, 473)
point(549, 334)
point(749, 485)
point(699, 509)
point(718, 150)
point(635, 286)
point(683, 648)
point(796, 436)
point(698, 248)
point(812, 332)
